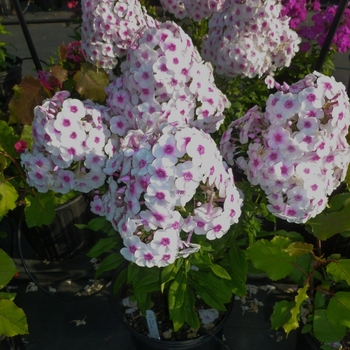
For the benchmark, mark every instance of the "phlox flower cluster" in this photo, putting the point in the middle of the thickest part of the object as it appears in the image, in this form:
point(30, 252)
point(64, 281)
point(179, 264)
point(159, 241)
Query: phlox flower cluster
point(165, 79)
point(296, 10)
point(195, 9)
point(71, 145)
point(109, 28)
point(321, 23)
point(167, 189)
point(249, 38)
point(297, 150)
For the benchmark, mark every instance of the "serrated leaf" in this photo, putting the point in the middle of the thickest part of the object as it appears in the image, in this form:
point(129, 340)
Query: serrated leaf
point(27, 95)
point(8, 197)
point(293, 322)
point(340, 270)
point(299, 248)
point(12, 319)
point(304, 265)
point(324, 331)
point(338, 311)
point(102, 246)
point(7, 269)
point(40, 210)
point(333, 220)
point(271, 257)
point(281, 313)
point(109, 263)
point(90, 83)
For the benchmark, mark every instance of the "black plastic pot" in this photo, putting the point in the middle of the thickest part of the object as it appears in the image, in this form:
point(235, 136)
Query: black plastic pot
point(8, 79)
point(210, 341)
point(62, 239)
point(307, 342)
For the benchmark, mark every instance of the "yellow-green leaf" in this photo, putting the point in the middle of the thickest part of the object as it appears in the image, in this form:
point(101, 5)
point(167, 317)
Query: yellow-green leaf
point(293, 322)
point(7, 269)
point(12, 319)
point(90, 82)
point(8, 197)
point(299, 248)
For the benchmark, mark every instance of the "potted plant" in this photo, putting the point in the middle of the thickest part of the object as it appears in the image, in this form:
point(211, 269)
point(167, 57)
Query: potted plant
point(43, 205)
point(165, 209)
point(169, 203)
point(269, 147)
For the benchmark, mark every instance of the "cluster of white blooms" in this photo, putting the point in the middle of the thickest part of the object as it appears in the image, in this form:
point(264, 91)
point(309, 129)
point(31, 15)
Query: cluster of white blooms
point(71, 145)
point(249, 38)
point(297, 149)
point(165, 79)
point(109, 28)
point(195, 9)
point(166, 191)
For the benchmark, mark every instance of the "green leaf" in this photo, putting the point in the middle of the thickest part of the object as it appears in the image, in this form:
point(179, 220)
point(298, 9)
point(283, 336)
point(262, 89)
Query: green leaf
point(303, 267)
point(338, 311)
point(191, 317)
point(281, 313)
point(169, 272)
point(293, 323)
point(109, 263)
point(319, 300)
point(213, 290)
point(299, 248)
point(102, 246)
point(8, 197)
point(324, 331)
point(8, 296)
point(40, 210)
point(120, 281)
point(220, 271)
point(7, 269)
point(271, 257)
point(333, 220)
point(238, 270)
point(12, 319)
point(97, 224)
point(340, 270)
point(176, 299)
point(90, 83)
